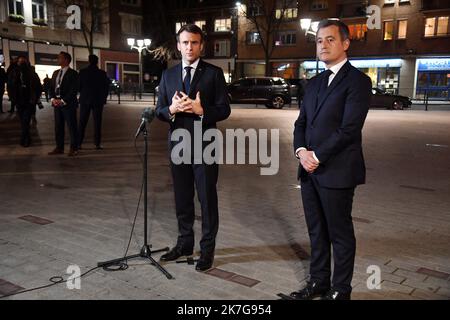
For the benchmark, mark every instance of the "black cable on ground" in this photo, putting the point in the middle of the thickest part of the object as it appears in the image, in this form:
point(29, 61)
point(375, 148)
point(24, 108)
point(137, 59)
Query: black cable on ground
point(121, 266)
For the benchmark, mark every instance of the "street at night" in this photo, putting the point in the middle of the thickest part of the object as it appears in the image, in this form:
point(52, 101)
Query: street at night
point(401, 215)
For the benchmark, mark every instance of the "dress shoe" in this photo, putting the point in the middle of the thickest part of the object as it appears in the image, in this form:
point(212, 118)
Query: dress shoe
point(336, 295)
point(205, 262)
point(175, 253)
point(311, 291)
point(56, 151)
point(72, 153)
point(99, 147)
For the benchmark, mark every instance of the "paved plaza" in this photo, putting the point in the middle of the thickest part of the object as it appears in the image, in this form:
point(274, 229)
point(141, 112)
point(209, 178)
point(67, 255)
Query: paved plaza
point(57, 211)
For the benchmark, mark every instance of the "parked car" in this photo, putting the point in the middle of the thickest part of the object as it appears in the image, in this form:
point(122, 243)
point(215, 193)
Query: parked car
point(272, 91)
point(383, 99)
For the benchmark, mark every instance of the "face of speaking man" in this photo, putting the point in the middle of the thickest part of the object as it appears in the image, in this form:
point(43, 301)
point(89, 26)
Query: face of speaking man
point(331, 49)
point(190, 46)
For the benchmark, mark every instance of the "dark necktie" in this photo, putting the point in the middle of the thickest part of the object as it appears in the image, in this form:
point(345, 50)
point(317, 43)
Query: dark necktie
point(323, 85)
point(187, 80)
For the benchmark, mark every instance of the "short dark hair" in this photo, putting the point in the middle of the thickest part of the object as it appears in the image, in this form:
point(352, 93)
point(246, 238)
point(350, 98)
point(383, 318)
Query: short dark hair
point(93, 59)
point(191, 28)
point(67, 56)
point(343, 29)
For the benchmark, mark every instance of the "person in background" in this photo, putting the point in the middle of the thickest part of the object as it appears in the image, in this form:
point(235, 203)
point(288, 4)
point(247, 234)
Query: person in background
point(63, 94)
point(94, 86)
point(47, 84)
point(11, 74)
point(26, 91)
point(3, 81)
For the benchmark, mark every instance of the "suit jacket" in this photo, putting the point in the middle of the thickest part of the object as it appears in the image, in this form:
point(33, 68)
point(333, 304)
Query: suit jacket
point(94, 86)
point(68, 89)
point(26, 87)
point(331, 127)
point(209, 80)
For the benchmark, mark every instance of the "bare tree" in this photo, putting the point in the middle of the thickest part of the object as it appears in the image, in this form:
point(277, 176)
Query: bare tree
point(265, 17)
point(94, 17)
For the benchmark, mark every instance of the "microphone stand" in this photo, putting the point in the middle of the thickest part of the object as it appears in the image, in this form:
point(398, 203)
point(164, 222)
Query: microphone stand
point(146, 251)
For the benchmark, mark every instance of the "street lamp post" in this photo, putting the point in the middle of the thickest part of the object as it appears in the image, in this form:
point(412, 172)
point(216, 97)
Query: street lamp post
point(139, 45)
point(310, 27)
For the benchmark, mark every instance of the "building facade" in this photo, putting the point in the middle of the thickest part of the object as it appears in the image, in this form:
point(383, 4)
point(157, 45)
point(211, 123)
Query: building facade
point(218, 20)
point(409, 54)
point(38, 30)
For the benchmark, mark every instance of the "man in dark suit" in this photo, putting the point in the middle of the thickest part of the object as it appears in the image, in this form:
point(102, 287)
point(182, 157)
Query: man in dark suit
point(190, 94)
point(328, 143)
point(94, 86)
point(3, 80)
point(63, 94)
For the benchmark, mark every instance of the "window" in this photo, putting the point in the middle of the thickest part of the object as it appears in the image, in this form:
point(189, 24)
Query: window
point(131, 24)
point(255, 10)
point(16, 7)
point(388, 30)
point(286, 38)
point(358, 31)
point(135, 3)
point(222, 25)
point(289, 13)
point(436, 26)
point(253, 38)
point(38, 7)
point(263, 82)
point(222, 48)
point(442, 26)
point(201, 24)
point(389, 1)
point(402, 27)
point(178, 25)
point(429, 27)
point(319, 5)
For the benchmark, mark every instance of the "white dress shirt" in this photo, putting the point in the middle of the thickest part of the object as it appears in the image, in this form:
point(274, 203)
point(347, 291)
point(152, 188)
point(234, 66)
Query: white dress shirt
point(193, 66)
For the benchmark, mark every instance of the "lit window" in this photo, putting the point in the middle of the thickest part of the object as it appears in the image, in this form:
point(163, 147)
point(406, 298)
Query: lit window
point(222, 25)
point(429, 27)
point(402, 27)
point(436, 26)
point(178, 25)
point(357, 31)
point(388, 30)
point(253, 38)
point(201, 24)
point(289, 13)
point(222, 48)
point(286, 38)
point(442, 26)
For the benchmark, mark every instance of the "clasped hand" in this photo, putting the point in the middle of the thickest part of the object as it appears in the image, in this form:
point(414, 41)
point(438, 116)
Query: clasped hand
point(182, 103)
point(307, 160)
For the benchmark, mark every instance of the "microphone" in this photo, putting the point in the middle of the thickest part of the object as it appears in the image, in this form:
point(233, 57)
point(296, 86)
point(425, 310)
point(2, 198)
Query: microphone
point(147, 117)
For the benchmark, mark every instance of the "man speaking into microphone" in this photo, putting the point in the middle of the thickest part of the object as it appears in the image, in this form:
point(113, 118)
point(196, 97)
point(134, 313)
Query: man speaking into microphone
point(189, 92)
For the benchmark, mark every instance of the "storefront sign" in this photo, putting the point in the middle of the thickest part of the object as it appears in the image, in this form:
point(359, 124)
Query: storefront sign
point(372, 63)
point(430, 64)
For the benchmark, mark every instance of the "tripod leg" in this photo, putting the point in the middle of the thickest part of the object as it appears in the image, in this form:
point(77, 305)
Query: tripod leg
point(160, 268)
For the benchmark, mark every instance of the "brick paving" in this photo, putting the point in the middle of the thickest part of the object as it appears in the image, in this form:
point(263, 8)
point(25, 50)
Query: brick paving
point(59, 211)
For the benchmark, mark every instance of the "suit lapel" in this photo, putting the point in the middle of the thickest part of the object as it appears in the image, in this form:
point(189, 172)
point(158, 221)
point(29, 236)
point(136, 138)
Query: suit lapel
point(178, 78)
point(197, 76)
point(337, 79)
